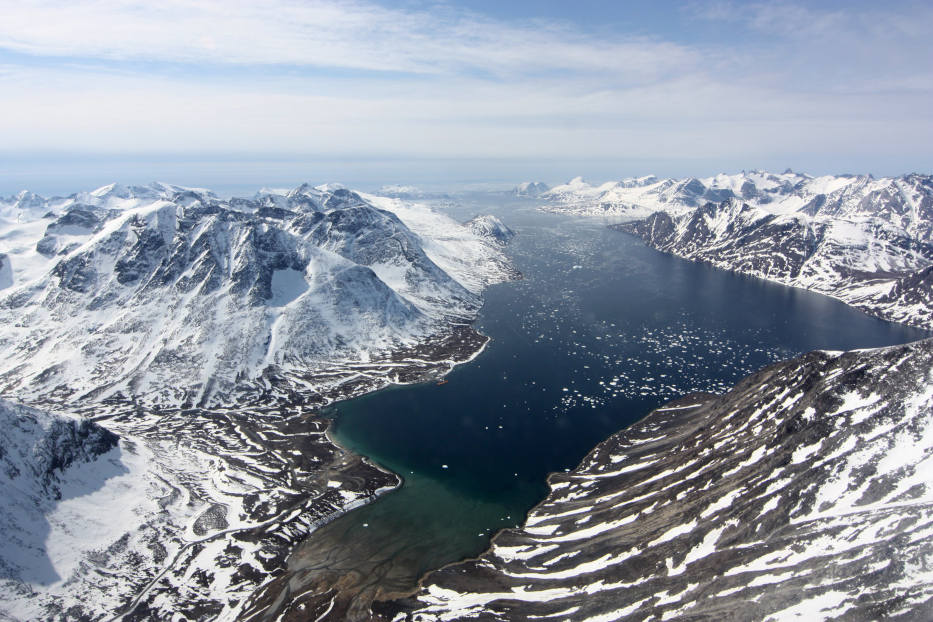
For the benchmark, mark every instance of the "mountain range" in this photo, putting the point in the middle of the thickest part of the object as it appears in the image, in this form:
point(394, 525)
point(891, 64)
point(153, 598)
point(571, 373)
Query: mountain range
point(174, 296)
point(173, 347)
point(166, 350)
point(865, 241)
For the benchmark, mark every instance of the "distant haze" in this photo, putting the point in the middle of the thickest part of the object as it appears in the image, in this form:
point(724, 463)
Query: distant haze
point(64, 175)
point(452, 93)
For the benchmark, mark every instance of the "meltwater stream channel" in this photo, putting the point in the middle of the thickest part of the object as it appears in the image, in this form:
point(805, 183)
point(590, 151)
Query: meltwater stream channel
point(601, 330)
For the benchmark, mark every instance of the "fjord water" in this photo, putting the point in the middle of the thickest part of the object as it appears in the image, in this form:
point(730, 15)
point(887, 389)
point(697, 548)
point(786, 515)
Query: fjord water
point(601, 330)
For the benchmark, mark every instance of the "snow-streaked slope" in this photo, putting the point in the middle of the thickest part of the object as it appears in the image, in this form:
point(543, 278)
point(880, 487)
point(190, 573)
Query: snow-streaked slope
point(806, 492)
point(466, 258)
point(171, 295)
point(186, 514)
point(868, 263)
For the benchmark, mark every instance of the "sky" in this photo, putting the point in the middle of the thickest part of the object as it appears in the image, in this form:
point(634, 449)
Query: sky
point(471, 93)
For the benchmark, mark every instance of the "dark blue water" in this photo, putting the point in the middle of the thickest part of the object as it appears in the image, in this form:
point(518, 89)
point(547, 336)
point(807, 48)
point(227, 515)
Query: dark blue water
point(601, 330)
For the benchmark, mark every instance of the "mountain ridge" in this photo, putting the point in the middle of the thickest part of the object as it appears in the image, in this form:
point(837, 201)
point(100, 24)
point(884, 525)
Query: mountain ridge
point(803, 491)
point(863, 240)
point(351, 282)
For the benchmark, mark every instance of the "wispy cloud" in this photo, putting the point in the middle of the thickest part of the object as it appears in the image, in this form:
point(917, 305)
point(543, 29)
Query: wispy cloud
point(345, 34)
point(859, 47)
point(356, 77)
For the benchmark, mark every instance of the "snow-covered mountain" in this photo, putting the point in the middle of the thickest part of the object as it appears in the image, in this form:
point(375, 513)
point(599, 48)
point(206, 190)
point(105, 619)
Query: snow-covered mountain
point(202, 332)
point(491, 228)
point(868, 263)
point(530, 189)
point(171, 295)
point(806, 492)
point(905, 202)
point(865, 241)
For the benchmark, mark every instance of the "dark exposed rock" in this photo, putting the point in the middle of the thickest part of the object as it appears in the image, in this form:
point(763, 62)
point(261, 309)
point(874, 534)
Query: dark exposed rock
point(491, 228)
point(868, 263)
point(76, 218)
point(804, 491)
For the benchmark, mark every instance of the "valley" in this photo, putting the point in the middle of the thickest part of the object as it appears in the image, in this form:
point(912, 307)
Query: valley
point(237, 492)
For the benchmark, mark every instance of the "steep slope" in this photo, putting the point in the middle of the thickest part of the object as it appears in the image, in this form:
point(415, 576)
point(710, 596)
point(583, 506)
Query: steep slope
point(866, 262)
point(905, 201)
point(491, 228)
point(45, 461)
point(36, 447)
point(806, 491)
point(173, 296)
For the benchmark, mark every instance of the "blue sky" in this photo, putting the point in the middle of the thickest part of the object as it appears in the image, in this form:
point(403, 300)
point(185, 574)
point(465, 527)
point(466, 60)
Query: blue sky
point(222, 93)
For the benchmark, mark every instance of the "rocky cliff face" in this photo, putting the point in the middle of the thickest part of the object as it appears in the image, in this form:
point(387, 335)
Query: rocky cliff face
point(866, 262)
point(173, 296)
point(805, 491)
point(905, 202)
point(37, 447)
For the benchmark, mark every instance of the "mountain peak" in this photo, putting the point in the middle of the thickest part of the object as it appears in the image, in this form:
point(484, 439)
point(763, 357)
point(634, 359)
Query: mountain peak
point(199, 275)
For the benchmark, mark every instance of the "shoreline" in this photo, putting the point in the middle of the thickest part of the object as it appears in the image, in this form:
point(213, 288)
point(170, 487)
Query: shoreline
point(869, 306)
point(617, 221)
point(274, 472)
point(275, 597)
point(647, 549)
point(396, 605)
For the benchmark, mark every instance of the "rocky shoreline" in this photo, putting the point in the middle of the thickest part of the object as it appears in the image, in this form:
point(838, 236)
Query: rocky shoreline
point(231, 490)
point(802, 491)
point(307, 584)
point(875, 270)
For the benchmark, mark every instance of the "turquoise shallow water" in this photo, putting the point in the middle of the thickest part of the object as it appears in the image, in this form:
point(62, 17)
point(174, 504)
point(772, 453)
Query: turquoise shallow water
point(601, 330)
